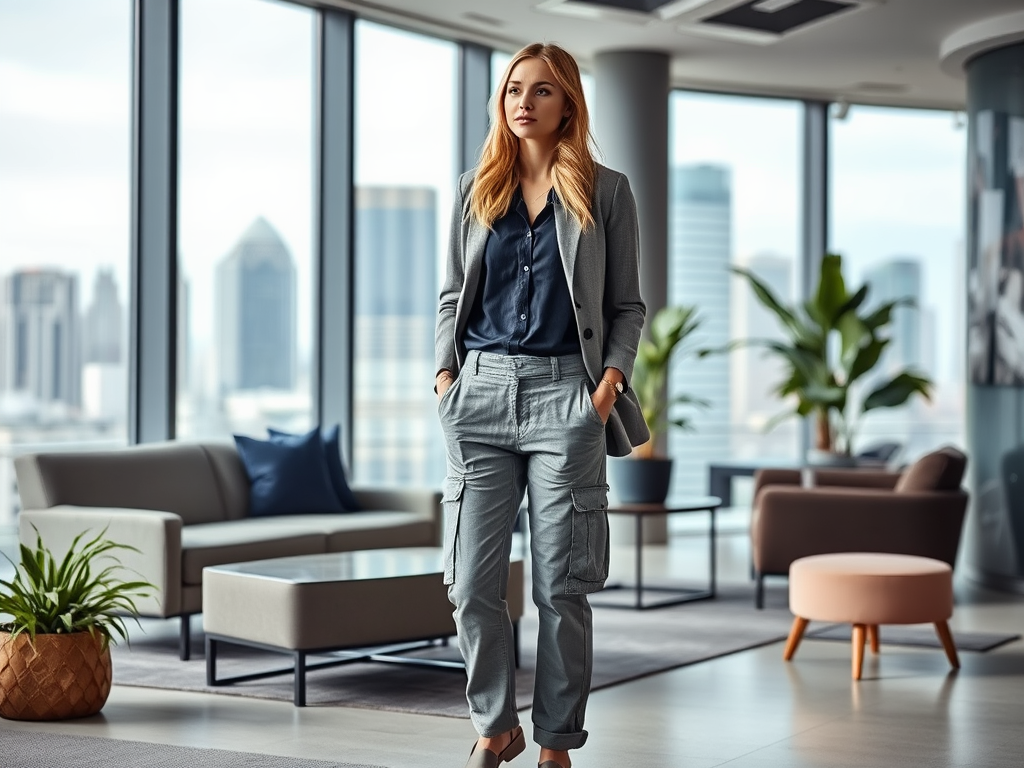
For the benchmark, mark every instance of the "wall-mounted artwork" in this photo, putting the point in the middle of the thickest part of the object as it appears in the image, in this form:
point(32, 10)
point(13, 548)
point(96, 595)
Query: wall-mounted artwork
point(995, 343)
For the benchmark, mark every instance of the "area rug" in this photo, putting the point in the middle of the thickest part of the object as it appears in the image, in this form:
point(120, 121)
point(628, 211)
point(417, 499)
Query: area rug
point(628, 645)
point(39, 749)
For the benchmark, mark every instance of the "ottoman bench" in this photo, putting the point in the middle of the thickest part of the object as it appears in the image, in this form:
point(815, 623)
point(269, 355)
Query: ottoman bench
point(325, 603)
point(867, 589)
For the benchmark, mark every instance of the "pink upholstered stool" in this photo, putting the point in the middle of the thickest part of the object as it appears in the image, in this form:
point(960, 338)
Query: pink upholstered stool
point(867, 589)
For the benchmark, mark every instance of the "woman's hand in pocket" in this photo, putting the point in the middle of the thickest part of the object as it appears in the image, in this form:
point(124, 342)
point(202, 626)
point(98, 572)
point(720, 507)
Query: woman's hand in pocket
point(442, 383)
point(604, 400)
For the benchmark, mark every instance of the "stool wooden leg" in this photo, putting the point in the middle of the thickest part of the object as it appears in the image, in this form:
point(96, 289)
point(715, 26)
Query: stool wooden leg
point(795, 635)
point(858, 649)
point(873, 637)
point(942, 630)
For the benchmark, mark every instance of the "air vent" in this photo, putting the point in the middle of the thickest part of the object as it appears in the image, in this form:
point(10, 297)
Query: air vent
point(637, 6)
point(480, 18)
point(775, 17)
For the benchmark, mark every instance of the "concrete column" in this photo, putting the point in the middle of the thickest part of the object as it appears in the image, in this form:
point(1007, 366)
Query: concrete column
point(630, 121)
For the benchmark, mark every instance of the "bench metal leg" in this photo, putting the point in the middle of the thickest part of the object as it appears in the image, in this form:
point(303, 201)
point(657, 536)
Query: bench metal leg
point(185, 639)
point(211, 661)
point(300, 679)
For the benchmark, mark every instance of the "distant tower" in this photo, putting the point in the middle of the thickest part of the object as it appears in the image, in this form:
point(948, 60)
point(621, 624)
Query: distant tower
point(396, 440)
point(754, 372)
point(701, 250)
point(895, 279)
point(255, 313)
point(104, 322)
point(40, 352)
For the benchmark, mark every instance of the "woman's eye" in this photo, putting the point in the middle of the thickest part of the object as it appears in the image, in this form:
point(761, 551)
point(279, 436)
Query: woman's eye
point(543, 91)
point(513, 90)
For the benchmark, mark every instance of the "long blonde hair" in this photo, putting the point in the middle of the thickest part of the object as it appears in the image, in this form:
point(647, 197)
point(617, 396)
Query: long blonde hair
point(573, 171)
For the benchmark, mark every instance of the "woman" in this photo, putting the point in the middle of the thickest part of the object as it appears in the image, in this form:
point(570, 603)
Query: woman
point(537, 331)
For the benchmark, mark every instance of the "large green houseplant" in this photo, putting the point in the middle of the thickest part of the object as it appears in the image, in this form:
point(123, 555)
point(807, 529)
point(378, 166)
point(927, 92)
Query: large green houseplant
point(645, 477)
point(834, 341)
point(61, 617)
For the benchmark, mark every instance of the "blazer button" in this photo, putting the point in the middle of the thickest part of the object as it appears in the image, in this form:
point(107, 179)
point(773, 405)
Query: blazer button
point(588, 334)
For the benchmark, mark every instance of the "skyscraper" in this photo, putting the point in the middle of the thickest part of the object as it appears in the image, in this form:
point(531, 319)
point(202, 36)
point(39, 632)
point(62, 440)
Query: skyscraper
point(104, 369)
point(104, 322)
point(895, 279)
point(39, 353)
point(700, 221)
point(396, 303)
point(754, 373)
point(255, 313)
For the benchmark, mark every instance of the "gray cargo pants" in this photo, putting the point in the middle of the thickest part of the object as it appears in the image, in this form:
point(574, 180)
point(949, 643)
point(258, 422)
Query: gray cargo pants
point(516, 423)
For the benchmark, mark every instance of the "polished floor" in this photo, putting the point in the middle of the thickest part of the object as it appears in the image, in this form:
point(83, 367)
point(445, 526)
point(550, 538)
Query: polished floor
point(747, 709)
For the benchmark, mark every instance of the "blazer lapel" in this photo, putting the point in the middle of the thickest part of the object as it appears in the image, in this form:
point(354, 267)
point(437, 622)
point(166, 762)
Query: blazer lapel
point(568, 231)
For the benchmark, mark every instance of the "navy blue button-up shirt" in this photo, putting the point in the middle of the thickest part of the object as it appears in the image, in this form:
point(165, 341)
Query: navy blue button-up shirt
point(523, 305)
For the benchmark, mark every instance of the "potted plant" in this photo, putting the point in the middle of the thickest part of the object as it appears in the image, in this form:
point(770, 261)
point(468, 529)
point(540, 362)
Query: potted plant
point(645, 477)
point(62, 617)
point(834, 341)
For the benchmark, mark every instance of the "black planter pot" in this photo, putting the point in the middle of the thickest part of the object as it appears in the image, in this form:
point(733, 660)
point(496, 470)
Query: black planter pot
point(640, 481)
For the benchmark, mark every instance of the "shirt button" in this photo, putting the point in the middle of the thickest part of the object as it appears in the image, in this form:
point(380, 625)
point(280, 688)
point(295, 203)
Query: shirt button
point(529, 234)
point(526, 269)
point(522, 317)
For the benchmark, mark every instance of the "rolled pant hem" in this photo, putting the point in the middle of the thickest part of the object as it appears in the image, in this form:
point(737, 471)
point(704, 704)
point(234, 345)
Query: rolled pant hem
point(559, 741)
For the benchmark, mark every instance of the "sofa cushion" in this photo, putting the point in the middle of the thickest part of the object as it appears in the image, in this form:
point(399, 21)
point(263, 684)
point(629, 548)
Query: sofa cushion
point(232, 481)
point(287, 477)
point(331, 441)
point(238, 541)
point(373, 530)
point(940, 470)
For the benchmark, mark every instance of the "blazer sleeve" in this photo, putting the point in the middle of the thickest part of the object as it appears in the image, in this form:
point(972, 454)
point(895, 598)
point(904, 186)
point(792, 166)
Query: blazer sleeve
point(445, 355)
point(624, 310)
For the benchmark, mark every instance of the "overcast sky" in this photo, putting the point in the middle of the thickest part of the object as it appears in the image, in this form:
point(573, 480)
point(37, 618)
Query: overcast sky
point(246, 150)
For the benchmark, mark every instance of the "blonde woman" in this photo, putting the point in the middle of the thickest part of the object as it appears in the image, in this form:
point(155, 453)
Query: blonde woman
point(537, 331)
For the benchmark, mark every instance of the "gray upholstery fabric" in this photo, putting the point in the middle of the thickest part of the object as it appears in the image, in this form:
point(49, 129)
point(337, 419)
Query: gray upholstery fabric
point(157, 536)
point(231, 479)
point(335, 612)
point(237, 541)
point(173, 477)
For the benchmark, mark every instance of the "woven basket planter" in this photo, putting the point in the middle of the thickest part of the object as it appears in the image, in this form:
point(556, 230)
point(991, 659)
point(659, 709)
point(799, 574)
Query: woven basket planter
point(60, 677)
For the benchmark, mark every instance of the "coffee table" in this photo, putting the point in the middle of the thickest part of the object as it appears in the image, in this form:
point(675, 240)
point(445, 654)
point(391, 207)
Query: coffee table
point(709, 504)
point(369, 605)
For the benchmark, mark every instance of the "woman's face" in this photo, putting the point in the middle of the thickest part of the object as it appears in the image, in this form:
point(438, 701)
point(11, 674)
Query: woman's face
point(535, 104)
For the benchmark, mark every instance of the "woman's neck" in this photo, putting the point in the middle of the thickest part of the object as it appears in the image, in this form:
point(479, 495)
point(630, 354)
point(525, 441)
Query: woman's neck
point(536, 160)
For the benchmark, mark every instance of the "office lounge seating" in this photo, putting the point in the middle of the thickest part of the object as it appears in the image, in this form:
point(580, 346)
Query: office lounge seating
point(184, 506)
point(868, 589)
point(919, 511)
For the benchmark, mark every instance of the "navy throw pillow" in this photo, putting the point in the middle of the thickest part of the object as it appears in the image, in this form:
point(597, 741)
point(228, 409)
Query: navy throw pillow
point(331, 439)
point(287, 478)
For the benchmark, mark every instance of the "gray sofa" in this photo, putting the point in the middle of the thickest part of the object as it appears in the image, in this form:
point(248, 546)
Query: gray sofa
point(183, 506)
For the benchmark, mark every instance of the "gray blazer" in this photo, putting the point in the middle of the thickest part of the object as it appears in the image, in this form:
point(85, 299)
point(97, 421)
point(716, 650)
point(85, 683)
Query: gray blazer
point(602, 270)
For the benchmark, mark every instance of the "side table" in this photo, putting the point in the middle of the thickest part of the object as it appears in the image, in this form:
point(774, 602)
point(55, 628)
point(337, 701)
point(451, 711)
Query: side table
point(709, 504)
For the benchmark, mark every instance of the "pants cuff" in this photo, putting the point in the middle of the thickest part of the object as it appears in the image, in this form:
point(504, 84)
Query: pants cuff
point(559, 741)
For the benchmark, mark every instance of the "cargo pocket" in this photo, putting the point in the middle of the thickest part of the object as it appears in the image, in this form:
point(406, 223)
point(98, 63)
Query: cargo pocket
point(452, 504)
point(588, 556)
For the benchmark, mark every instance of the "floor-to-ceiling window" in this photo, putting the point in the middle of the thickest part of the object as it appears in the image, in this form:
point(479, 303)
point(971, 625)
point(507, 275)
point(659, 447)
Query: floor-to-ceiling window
point(245, 217)
point(733, 199)
point(405, 166)
point(65, 155)
point(897, 218)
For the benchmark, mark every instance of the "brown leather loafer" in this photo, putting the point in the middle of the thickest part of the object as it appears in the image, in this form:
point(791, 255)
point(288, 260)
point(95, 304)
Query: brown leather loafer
point(484, 758)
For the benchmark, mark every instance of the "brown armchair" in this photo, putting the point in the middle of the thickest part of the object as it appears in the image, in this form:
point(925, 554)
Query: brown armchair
point(919, 511)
